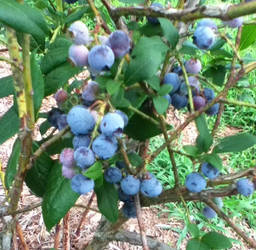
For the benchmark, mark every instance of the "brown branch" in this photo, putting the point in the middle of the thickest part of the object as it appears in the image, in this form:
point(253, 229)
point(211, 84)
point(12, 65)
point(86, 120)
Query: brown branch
point(218, 119)
point(57, 236)
point(140, 223)
point(221, 214)
point(21, 237)
point(86, 211)
point(223, 12)
point(66, 232)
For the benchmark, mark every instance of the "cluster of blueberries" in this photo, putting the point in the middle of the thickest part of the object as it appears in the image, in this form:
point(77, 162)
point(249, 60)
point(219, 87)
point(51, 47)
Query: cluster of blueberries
point(101, 57)
point(196, 183)
point(178, 96)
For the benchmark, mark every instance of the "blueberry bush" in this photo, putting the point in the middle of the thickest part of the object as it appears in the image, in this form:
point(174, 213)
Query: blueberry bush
point(140, 61)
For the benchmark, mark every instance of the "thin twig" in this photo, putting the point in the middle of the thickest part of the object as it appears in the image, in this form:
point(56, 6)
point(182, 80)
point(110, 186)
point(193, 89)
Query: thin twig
point(140, 223)
point(57, 236)
point(21, 237)
point(66, 233)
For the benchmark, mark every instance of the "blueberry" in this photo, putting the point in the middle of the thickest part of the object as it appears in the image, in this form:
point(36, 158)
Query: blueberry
point(207, 23)
point(62, 122)
point(130, 185)
point(129, 210)
point(84, 157)
point(245, 187)
point(234, 23)
point(112, 124)
point(155, 6)
point(213, 110)
point(61, 96)
point(104, 147)
point(209, 212)
point(80, 120)
point(194, 84)
point(101, 58)
point(210, 171)
point(195, 182)
point(68, 172)
point(78, 54)
point(179, 101)
point(173, 80)
point(123, 115)
point(208, 94)
point(183, 90)
point(193, 66)
point(70, 1)
point(177, 70)
point(168, 98)
point(90, 92)
point(121, 164)
point(124, 197)
point(81, 184)
point(151, 187)
point(199, 102)
point(81, 141)
point(113, 175)
point(218, 201)
point(204, 37)
point(53, 116)
point(80, 33)
point(67, 157)
point(119, 42)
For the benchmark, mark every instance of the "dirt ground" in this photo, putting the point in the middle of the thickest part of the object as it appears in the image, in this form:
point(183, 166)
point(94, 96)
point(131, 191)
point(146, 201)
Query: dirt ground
point(158, 225)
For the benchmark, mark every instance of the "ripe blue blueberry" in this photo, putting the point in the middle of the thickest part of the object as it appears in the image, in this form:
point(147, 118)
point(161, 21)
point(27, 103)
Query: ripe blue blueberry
point(67, 157)
point(113, 175)
point(245, 187)
point(68, 172)
point(80, 120)
point(130, 185)
point(234, 23)
point(101, 58)
point(81, 184)
point(199, 102)
point(168, 98)
point(193, 66)
point(177, 70)
point(78, 54)
point(129, 210)
point(121, 164)
point(173, 80)
point(53, 116)
point(90, 92)
point(112, 124)
point(209, 212)
point(209, 94)
point(81, 141)
point(119, 42)
point(123, 115)
point(207, 23)
point(179, 101)
point(210, 171)
point(104, 147)
point(204, 37)
point(124, 197)
point(213, 110)
point(151, 187)
point(62, 121)
point(155, 6)
point(84, 157)
point(195, 182)
point(70, 1)
point(80, 33)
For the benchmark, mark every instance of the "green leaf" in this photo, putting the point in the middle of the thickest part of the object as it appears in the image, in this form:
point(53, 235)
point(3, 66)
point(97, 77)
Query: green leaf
point(193, 230)
point(58, 198)
point(217, 74)
point(154, 82)
point(6, 86)
point(136, 96)
point(37, 176)
point(77, 15)
point(235, 143)
point(150, 30)
point(191, 150)
point(170, 32)
point(12, 165)
point(204, 139)
point(107, 199)
point(23, 18)
point(9, 125)
point(165, 89)
point(216, 240)
point(112, 86)
point(217, 45)
point(118, 99)
point(58, 77)
point(56, 55)
point(44, 127)
point(161, 104)
point(189, 48)
point(37, 83)
point(95, 171)
point(248, 36)
point(144, 65)
point(213, 159)
point(196, 244)
point(135, 159)
point(132, 1)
